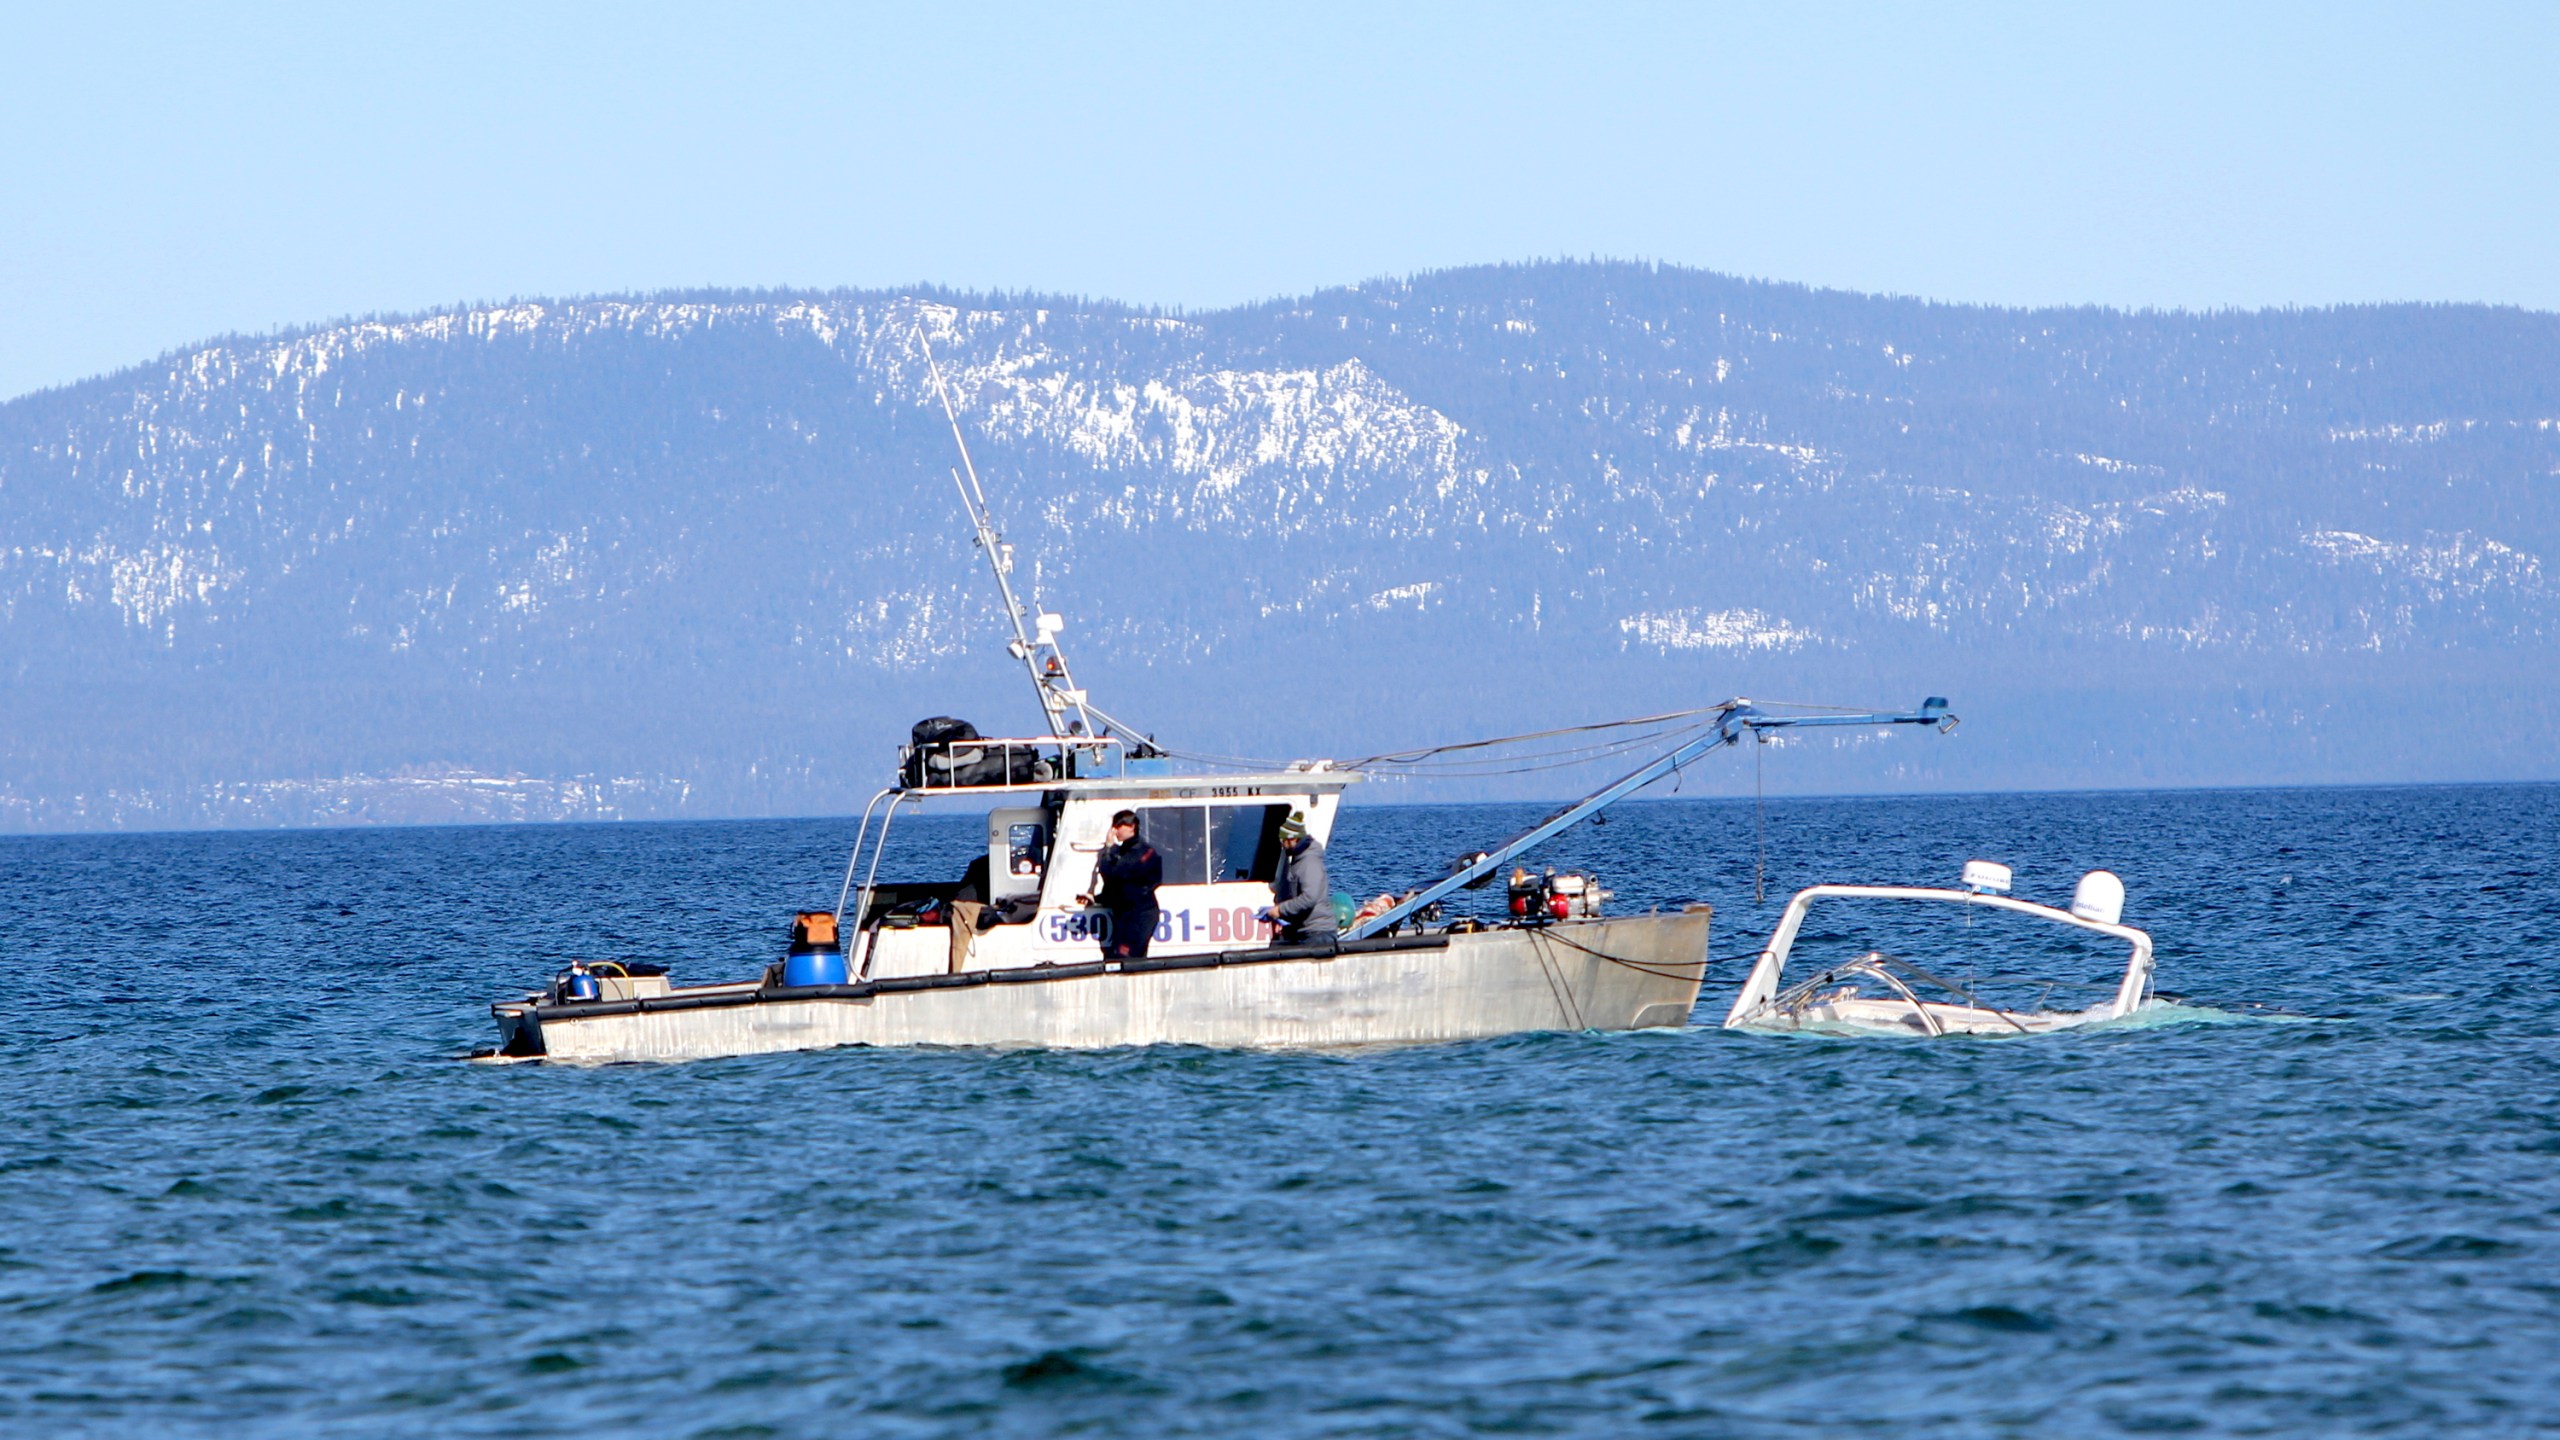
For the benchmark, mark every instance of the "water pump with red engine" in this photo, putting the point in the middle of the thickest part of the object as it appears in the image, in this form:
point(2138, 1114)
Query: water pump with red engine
point(1537, 899)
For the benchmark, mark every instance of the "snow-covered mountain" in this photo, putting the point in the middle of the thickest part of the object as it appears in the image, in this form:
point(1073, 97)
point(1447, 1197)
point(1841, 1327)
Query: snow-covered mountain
point(698, 554)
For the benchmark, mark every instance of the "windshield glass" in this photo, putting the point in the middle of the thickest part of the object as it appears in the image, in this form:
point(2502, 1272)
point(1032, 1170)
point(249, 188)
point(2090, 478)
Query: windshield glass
point(1998, 958)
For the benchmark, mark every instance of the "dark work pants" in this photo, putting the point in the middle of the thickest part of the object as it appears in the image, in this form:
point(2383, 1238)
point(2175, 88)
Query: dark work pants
point(1131, 932)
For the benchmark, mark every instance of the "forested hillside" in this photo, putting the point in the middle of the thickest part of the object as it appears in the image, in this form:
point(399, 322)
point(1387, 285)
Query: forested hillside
point(698, 554)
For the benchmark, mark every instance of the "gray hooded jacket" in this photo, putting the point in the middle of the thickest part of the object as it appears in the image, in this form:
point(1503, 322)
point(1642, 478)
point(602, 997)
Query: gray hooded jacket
point(1303, 897)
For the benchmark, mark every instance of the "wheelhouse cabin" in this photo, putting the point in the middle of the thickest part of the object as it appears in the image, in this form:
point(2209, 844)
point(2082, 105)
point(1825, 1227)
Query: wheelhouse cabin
point(1049, 802)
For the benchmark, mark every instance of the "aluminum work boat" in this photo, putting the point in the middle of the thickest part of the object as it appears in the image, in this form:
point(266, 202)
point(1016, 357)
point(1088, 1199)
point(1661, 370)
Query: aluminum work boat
point(1011, 953)
point(1025, 968)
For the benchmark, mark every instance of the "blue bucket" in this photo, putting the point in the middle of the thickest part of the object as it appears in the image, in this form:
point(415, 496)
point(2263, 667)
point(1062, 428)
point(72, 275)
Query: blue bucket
point(813, 967)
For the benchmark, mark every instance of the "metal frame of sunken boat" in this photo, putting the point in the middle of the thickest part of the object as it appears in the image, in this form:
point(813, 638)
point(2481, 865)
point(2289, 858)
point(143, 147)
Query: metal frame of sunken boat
point(1877, 992)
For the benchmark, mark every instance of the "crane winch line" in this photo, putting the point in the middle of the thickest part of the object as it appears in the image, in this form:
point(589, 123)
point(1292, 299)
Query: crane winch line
point(1736, 718)
point(1423, 753)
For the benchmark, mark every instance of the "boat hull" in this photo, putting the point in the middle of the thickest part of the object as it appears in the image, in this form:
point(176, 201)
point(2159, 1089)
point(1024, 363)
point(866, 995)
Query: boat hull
point(1633, 973)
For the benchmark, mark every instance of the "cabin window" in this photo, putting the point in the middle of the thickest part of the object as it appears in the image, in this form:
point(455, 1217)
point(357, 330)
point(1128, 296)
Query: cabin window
point(1206, 844)
point(1245, 839)
point(1179, 833)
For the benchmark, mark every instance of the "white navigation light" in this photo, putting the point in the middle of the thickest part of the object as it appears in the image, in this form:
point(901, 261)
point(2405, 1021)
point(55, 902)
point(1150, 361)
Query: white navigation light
point(1983, 877)
point(2099, 898)
point(1050, 625)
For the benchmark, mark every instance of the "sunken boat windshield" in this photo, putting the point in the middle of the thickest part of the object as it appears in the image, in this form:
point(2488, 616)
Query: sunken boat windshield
point(1993, 957)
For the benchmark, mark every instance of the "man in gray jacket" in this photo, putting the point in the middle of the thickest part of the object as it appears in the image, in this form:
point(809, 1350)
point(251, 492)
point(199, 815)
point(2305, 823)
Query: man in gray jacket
point(1302, 898)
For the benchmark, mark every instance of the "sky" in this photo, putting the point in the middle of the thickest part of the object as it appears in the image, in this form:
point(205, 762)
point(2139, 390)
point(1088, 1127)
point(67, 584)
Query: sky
point(170, 174)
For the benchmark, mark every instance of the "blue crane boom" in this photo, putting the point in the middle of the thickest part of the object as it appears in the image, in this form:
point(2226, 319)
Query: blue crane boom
point(1734, 720)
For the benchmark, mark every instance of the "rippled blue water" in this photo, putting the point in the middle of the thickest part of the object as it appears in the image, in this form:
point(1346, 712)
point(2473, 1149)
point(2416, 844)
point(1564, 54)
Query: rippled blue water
point(247, 1189)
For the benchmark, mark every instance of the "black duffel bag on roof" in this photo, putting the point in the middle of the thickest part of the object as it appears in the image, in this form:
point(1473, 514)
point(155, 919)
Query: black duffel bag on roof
point(939, 747)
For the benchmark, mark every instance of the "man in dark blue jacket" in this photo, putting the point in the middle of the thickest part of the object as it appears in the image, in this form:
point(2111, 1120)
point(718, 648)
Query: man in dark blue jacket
point(1129, 872)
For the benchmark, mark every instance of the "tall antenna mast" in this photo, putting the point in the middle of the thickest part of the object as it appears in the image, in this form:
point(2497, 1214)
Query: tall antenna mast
point(1035, 636)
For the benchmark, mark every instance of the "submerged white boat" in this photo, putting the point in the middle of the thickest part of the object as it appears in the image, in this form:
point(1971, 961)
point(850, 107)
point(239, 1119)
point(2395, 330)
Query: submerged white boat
point(1022, 962)
point(1877, 992)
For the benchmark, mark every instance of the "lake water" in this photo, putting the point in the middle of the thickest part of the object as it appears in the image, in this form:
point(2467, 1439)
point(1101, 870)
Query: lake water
point(247, 1188)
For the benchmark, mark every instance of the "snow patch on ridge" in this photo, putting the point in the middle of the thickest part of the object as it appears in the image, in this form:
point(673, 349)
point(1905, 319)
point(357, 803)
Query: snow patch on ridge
point(1417, 594)
point(2456, 565)
point(1701, 629)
